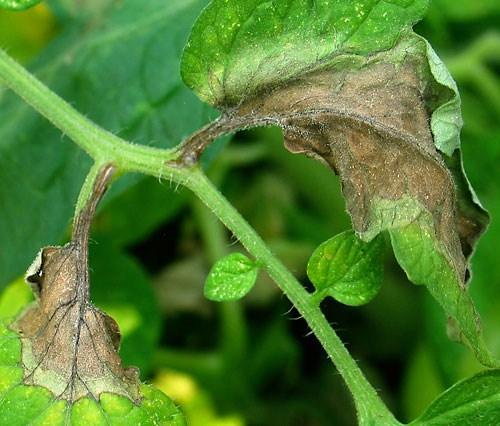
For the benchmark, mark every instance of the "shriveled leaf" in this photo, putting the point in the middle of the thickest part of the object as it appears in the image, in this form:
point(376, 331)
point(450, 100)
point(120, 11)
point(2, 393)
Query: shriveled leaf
point(387, 122)
point(474, 401)
point(347, 269)
point(69, 346)
point(231, 278)
point(17, 4)
point(62, 351)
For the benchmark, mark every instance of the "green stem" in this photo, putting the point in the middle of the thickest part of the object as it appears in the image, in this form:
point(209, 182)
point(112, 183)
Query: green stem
point(88, 185)
point(105, 147)
point(366, 398)
point(100, 144)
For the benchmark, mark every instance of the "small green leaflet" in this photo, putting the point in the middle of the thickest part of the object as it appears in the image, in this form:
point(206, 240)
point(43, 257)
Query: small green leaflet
point(21, 404)
point(231, 278)
point(474, 401)
point(17, 4)
point(347, 268)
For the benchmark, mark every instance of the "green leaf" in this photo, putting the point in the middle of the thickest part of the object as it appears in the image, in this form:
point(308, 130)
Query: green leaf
point(17, 4)
point(474, 401)
point(238, 47)
point(130, 44)
point(231, 278)
point(425, 261)
point(347, 268)
point(22, 404)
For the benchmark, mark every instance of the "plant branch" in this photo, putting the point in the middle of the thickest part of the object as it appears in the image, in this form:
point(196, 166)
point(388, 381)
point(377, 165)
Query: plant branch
point(366, 398)
point(100, 144)
point(105, 147)
point(94, 188)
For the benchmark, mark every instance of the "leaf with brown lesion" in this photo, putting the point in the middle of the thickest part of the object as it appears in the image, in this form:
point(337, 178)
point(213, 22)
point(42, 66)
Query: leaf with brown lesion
point(369, 120)
point(68, 345)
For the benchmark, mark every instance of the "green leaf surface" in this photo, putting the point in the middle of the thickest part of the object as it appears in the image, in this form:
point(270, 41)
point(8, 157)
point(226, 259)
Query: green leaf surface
point(474, 401)
point(231, 278)
point(239, 47)
point(21, 404)
point(119, 67)
point(425, 261)
point(17, 4)
point(347, 269)
point(14, 298)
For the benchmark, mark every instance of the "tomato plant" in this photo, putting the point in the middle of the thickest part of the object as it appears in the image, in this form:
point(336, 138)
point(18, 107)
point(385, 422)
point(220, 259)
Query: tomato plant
point(159, 90)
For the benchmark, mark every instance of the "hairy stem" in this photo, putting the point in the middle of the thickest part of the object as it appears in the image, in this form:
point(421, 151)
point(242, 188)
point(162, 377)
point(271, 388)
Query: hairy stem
point(366, 398)
point(92, 192)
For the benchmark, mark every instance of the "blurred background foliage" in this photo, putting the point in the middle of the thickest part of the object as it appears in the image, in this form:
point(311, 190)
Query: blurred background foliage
point(253, 362)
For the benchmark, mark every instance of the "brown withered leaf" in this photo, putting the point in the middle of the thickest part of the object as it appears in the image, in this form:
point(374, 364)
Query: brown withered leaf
point(370, 119)
point(68, 345)
point(370, 124)
point(371, 127)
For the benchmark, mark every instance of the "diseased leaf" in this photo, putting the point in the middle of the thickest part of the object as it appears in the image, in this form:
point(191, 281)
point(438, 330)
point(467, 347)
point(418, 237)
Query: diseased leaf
point(69, 346)
point(474, 401)
point(231, 278)
point(22, 404)
point(347, 269)
point(383, 113)
point(60, 356)
point(71, 367)
point(17, 4)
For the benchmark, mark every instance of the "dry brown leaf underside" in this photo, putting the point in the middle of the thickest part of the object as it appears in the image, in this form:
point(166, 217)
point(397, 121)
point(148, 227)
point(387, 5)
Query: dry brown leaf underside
point(371, 126)
point(68, 345)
